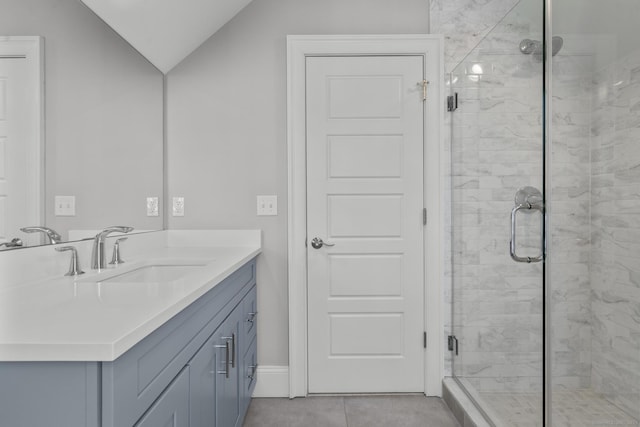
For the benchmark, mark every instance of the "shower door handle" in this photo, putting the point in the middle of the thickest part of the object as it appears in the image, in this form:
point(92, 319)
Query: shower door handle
point(528, 199)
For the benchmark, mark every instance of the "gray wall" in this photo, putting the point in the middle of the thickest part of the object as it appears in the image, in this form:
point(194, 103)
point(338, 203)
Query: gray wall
point(226, 128)
point(103, 115)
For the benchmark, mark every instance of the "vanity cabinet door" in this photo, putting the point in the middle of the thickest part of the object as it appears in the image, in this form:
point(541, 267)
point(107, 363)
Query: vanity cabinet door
point(222, 371)
point(172, 407)
point(249, 365)
point(248, 376)
point(250, 318)
point(227, 389)
point(202, 387)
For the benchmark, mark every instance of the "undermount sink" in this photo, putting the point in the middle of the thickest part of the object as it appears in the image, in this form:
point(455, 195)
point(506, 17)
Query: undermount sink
point(154, 273)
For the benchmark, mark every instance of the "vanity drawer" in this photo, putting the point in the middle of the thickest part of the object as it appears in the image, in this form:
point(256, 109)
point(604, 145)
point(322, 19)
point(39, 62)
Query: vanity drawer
point(131, 383)
point(249, 376)
point(250, 317)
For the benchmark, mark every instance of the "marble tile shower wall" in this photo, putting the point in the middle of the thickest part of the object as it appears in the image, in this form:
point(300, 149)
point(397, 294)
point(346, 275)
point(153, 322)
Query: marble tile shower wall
point(569, 249)
point(464, 24)
point(615, 219)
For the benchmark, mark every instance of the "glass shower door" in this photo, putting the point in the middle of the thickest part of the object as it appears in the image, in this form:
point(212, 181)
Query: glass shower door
point(496, 213)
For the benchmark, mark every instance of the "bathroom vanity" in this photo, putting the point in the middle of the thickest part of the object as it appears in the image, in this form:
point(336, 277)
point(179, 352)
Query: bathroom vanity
point(168, 338)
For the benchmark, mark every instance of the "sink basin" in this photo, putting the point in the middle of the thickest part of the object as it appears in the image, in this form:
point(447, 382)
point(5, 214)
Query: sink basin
point(154, 273)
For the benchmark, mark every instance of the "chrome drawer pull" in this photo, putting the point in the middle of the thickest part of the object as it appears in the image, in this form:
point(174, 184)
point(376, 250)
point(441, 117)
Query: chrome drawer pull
point(232, 338)
point(226, 358)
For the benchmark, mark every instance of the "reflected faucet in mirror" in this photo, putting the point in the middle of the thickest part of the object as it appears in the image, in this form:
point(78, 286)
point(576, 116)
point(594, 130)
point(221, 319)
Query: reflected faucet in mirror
point(14, 243)
point(52, 236)
point(98, 257)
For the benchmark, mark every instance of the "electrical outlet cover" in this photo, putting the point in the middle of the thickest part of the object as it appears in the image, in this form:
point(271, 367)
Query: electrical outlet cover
point(152, 206)
point(178, 206)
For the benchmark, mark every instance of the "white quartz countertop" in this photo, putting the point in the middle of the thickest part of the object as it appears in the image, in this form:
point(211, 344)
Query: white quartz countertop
point(88, 318)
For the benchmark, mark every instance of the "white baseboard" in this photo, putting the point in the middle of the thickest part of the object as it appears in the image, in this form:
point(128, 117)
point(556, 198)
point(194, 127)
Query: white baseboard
point(272, 381)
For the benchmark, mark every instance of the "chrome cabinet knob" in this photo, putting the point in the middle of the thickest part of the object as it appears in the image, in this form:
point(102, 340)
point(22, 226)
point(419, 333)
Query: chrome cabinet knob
point(317, 243)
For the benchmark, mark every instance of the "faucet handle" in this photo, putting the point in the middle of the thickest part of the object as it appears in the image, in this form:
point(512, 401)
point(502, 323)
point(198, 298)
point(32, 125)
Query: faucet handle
point(116, 259)
point(74, 266)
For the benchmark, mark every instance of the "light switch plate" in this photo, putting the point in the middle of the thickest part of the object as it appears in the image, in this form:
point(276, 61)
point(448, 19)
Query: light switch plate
point(178, 206)
point(267, 205)
point(152, 206)
point(65, 206)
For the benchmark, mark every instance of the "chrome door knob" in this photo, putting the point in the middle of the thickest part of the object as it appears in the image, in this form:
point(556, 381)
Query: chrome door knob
point(317, 243)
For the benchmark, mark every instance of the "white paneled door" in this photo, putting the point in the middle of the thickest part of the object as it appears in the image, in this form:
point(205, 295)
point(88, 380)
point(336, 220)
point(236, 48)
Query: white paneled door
point(19, 140)
point(365, 201)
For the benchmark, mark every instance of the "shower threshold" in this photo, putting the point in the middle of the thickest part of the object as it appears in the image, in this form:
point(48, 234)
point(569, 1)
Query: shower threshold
point(579, 407)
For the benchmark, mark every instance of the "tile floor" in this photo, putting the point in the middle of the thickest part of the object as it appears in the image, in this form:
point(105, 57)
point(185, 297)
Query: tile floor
point(574, 408)
point(350, 411)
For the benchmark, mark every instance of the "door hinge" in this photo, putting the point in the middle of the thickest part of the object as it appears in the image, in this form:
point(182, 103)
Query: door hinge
point(452, 102)
point(424, 339)
point(424, 84)
point(424, 216)
point(452, 343)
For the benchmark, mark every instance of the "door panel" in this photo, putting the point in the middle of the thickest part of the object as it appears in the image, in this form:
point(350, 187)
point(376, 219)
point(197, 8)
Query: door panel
point(364, 96)
point(361, 216)
point(226, 341)
point(365, 156)
point(172, 407)
point(365, 186)
point(202, 387)
point(377, 275)
point(377, 334)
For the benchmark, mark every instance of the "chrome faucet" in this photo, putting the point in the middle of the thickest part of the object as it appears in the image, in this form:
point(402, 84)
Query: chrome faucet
point(98, 256)
point(51, 234)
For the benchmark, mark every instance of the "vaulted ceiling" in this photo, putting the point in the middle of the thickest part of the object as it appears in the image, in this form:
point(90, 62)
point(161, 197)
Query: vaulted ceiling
point(166, 31)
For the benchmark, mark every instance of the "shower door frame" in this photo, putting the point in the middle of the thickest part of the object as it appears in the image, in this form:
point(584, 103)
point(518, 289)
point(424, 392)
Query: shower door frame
point(547, 35)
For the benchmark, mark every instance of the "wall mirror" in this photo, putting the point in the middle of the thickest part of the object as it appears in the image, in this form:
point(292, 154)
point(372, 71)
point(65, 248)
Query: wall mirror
point(102, 126)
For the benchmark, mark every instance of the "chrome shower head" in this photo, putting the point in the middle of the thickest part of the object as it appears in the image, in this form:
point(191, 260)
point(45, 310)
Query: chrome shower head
point(528, 46)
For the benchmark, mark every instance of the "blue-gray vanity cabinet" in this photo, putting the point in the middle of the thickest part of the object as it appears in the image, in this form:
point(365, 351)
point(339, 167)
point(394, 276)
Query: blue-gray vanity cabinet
point(249, 350)
point(51, 394)
point(134, 381)
point(223, 371)
point(214, 392)
point(227, 340)
point(248, 376)
point(131, 383)
point(171, 375)
point(172, 407)
point(202, 387)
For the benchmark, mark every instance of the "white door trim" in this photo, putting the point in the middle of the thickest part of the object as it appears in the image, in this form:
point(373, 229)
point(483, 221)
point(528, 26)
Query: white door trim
point(298, 48)
point(31, 48)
